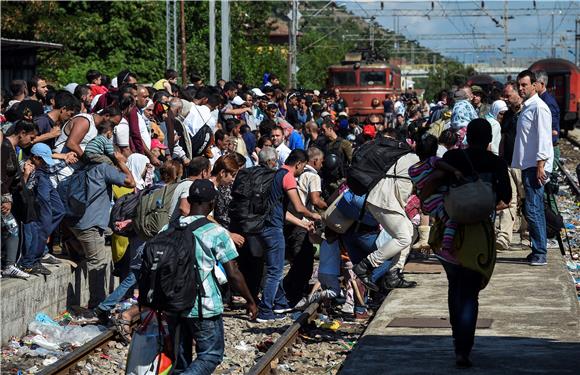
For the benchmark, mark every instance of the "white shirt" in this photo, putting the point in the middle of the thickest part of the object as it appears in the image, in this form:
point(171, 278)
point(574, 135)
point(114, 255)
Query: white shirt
point(283, 152)
point(216, 152)
point(198, 116)
point(495, 133)
point(533, 135)
point(441, 150)
point(121, 134)
point(308, 182)
point(181, 191)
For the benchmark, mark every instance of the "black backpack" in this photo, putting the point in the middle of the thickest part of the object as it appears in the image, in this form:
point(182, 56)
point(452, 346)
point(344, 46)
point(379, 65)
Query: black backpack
point(372, 161)
point(250, 199)
point(169, 278)
point(125, 208)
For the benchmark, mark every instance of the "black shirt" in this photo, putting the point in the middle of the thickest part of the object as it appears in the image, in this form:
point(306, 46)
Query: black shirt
point(509, 127)
point(490, 168)
point(10, 168)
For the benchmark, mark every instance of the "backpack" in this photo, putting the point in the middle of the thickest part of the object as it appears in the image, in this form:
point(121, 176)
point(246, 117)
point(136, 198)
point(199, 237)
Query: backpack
point(200, 140)
point(169, 279)
point(554, 221)
point(372, 161)
point(74, 194)
point(152, 212)
point(184, 138)
point(125, 208)
point(250, 199)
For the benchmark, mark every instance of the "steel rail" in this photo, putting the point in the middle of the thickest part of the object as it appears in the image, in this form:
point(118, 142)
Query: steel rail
point(266, 363)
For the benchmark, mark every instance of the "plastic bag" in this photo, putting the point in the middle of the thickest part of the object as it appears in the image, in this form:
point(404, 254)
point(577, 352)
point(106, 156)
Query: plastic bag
point(147, 352)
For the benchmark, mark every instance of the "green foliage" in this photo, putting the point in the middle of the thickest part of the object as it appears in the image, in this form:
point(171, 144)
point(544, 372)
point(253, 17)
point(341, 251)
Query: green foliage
point(446, 75)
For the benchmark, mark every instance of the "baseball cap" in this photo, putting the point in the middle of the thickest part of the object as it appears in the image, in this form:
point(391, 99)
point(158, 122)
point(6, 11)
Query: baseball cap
point(370, 130)
point(476, 88)
point(343, 114)
point(238, 101)
point(42, 150)
point(155, 143)
point(324, 114)
point(202, 190)
point(71, 87)
point(258, 92)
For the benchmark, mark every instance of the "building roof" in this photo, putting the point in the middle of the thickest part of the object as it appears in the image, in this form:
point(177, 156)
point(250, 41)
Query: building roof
point(14, 44)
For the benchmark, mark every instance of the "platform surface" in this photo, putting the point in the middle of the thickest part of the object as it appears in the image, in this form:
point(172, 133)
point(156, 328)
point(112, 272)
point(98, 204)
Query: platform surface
point(535, 330)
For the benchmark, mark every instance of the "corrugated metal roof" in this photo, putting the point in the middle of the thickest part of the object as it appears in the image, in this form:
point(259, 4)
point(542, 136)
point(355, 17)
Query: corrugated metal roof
point(6, 43)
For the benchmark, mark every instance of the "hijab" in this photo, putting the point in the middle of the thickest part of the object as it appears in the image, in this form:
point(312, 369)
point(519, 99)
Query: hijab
point(497, 107)
point(137, 164)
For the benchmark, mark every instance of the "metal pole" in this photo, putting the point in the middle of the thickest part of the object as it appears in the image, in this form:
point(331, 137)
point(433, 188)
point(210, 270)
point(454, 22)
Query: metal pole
point(505, 32)
point(577, 42)
point(292, 50)
point(183, 45)
point(212, 72)
point(553, 47)
point(175, 34)
point(167, 35)
point(225, 40)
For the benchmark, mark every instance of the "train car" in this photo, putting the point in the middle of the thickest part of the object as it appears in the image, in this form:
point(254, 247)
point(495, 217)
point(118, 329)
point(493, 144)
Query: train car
point(486, 82)
point(564, 84)
point(365, 85)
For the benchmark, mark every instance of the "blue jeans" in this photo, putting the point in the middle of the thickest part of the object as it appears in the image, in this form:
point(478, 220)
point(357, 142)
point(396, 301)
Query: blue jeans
point(359, 245)
point(464, 287)
point(273, 293)
point(208, 334)
point(534, 211)
point(126, 286)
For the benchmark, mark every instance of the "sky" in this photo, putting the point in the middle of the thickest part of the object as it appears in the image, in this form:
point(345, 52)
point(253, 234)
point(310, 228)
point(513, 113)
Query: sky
point(472, 34)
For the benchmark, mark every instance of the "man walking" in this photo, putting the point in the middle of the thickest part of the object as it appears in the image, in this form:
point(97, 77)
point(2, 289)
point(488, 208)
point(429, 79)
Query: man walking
point(533, 154)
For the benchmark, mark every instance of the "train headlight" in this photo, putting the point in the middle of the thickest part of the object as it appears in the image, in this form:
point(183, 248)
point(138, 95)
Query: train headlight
point(375, 102)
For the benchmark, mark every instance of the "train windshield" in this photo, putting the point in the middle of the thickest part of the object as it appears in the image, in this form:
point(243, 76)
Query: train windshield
point(343, 79)
point(373, 78)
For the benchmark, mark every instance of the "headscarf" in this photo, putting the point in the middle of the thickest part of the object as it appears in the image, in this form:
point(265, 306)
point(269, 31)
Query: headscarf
point(137, 164)
point(497, 107)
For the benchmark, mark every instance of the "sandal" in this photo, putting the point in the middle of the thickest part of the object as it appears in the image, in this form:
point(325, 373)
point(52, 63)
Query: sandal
point(123, 327)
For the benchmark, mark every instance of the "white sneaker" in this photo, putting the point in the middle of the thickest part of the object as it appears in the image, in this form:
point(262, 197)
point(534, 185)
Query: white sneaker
point(320, 295)
point(15, 272)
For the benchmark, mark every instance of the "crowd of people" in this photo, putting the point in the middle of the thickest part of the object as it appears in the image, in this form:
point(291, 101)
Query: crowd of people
point(274, 171)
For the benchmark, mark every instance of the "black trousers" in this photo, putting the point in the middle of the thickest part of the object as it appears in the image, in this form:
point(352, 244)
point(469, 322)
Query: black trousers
point(251, 264)
point(300, 252)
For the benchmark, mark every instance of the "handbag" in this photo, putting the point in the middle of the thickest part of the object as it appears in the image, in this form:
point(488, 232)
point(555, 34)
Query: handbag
point(148, 352)
point(471, 202)
point(334, 219)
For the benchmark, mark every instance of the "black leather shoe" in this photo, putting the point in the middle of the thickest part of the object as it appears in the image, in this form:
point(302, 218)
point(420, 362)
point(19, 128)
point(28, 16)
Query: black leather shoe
point(363, 270)
point(393, 280)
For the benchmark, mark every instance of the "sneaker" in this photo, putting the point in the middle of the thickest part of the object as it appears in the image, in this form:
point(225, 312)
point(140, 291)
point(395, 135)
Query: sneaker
point(50, 259)
point(15, 272)
point(552, 244)
point(273, 317)
point(91, 316)
point(529, 257)
point(362, 315)
point(538, 260)
point(302, 304)
point(282, 309)
point(37, 269)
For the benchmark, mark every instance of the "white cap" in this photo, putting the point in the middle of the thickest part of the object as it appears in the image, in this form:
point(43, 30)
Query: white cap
point(71, 87)
point(324, 114)
point(316, 93)
point(238, 101)
point(258, 92)
point(343, 114)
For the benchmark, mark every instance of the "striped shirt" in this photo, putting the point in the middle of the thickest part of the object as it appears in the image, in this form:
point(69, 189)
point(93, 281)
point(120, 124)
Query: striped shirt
point(100, 145)
point(216, 246)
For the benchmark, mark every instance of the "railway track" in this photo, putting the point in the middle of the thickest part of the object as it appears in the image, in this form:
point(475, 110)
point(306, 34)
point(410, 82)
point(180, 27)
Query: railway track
point(567, 175)
point(68, 361)
point(264, 365)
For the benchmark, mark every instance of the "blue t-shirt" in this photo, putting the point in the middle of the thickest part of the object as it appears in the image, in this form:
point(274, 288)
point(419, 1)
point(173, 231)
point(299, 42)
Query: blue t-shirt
point(100, 179)
point(284, 181)
point(295, 141)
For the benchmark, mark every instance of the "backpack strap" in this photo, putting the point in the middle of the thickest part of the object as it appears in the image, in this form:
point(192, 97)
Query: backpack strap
point(193, 226)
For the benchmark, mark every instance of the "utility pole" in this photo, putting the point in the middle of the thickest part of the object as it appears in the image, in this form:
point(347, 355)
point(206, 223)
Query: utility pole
point(212, 72)
point(372, 36)
point(183, 45)
point(553, 54)
point(226, 40)
point(577, 57)
point(292, 48)
point(174, 34)
point(506, 40)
